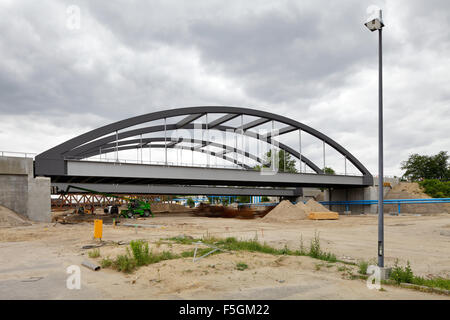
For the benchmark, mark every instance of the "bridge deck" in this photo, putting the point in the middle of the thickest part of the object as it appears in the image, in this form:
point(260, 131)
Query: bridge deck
point(144, 174)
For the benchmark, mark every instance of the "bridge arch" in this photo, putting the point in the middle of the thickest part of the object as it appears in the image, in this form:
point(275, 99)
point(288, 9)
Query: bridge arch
point(108, 138)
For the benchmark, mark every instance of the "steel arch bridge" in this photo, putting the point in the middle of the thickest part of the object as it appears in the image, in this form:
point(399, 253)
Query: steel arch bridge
point(72, 162)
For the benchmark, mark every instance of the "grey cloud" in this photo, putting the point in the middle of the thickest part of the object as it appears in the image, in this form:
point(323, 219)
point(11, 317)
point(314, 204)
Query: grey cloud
point(312, 60)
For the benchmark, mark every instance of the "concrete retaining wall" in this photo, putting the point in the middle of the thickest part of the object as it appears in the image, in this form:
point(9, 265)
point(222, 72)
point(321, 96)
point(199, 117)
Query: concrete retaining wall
point(14, 193)
point(21, 192)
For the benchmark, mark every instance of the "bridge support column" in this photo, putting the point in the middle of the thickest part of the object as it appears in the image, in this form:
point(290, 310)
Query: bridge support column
point(368, 193)
point(349, 194)
point(21, 192)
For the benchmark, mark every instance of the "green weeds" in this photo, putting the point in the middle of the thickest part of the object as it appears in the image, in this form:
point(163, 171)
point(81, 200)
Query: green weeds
point(137, 255)
point(241, 266)
point(362, 267)
point(94, 253)
point(405, 274)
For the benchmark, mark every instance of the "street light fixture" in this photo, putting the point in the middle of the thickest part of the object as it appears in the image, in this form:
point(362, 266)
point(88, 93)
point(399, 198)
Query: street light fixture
point(373, 25)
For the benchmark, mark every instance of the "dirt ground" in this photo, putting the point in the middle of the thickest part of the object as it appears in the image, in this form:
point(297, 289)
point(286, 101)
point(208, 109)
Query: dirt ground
point(34, 259)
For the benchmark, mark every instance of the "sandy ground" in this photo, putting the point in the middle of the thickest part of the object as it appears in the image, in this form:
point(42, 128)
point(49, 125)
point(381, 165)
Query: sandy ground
point(34, 259)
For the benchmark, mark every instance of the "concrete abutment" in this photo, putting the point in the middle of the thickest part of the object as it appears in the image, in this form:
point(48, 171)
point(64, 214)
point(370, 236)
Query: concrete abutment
point(23, 193)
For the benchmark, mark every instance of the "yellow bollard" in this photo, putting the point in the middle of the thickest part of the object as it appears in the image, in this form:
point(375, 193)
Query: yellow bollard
point(98, 229)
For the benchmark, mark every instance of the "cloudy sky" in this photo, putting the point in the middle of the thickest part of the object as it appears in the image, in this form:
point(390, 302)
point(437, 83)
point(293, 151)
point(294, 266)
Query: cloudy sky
point(313, 61)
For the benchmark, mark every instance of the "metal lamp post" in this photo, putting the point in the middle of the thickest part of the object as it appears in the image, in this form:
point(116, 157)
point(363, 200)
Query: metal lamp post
point(373, 25)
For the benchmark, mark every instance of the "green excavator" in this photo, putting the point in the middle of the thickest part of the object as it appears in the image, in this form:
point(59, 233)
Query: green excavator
point(135, 207)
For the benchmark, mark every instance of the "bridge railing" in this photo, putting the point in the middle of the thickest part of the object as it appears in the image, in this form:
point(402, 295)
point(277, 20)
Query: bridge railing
point(17, 154)
point(161, 163)
point(188, 164)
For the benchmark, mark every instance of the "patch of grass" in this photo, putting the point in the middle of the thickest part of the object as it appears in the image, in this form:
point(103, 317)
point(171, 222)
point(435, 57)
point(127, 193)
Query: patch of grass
point(143, 256)
point(316, 252)
point(94, 253)
point(106, 262)
point(400, 274)
point(362, 267)
point(124, 263)
point(183, 240)
point(233, 244)
point(314, 249)
point(302, 251)
point(138, 254)
point(317, 266)
point(405, 274)
point(241, 266)
point(341, 269)
point(140, 251)
point(440, 283)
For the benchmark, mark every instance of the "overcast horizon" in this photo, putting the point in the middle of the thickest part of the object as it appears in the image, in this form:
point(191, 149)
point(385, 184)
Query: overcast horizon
point(312, 61)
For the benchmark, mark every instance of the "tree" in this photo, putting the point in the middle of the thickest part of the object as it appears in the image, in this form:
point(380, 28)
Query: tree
point(328, 170)
point(243, 199)
point(290, 163)
point(420, 167)
point(190, 202)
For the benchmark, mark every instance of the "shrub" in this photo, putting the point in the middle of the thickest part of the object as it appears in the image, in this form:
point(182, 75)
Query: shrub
point(106, 262)
point(124, 263)
point(94, 253)
point(140, 252)
point(400, 274)
point(436, 188)
point(363, 267)
point(405, 275)
point(316, 252)
point(314, 249)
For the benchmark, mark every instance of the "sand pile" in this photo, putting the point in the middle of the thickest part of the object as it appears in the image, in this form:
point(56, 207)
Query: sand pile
point(168, 207)
point(285, 211)
point(9, 218)
point(315, 206)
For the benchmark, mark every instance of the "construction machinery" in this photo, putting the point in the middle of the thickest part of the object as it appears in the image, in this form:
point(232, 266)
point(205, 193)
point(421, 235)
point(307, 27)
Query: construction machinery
point(136, 207)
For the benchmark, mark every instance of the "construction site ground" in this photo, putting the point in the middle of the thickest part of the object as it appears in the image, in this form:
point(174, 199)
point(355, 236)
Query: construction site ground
point(34, 259)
